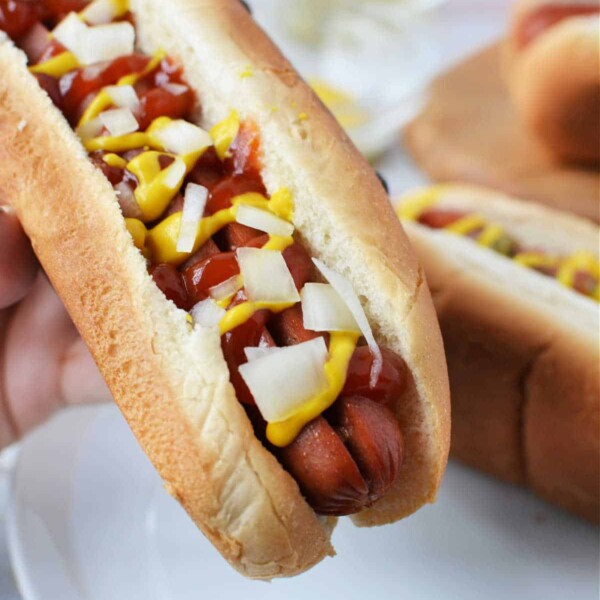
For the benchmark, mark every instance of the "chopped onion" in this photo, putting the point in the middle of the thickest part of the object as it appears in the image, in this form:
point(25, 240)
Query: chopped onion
point(123, 96)
point(194, 202)
point(254, 352)
point(266, 276)
point(346, 292)
point(181, 137)
point(99, 12)
point(91, 129)
point(119, 121)
point(176, 88)
point(283, 380)
point(324, 310)
point(263, 220)
point(95, 44)
point(175, 173)
point(226, 288)
point(70, 31)
point(207, 313)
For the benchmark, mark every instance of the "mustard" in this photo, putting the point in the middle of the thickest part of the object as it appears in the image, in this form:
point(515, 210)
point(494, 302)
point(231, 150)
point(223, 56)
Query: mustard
point(120, 143)
point(535, 260)
point(239, 314)
point(466, 225)
point(417, 202)
point(162, 239)
point(114, 160)
point(156, 187)
point(341, 348)
point(57, 66)
point(578, 261)
point(138, 232)
point(224, 132)
point(279, 242)
point(344, 106)
point(493, 235)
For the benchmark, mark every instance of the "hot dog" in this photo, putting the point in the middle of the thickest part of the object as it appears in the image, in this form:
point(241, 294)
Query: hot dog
point(192, 208)
point(553, 69)
point(516, 287)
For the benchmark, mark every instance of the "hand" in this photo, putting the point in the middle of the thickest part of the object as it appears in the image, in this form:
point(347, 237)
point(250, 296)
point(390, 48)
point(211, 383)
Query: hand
point(44, 364)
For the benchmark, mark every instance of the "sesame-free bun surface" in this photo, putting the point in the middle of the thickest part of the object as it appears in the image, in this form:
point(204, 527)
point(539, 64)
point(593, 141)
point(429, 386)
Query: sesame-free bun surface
point(469, 131)
point(522, 350)
point(172, 383)
point(554, 80)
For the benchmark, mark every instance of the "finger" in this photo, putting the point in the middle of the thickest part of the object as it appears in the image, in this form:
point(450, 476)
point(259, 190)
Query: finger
point(81, 381)
point(18, 264)
point(38, 337)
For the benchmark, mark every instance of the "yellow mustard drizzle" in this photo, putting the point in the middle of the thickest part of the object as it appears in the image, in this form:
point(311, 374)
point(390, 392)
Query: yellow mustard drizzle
point(536, 260)
point(103, 99)
point(224, 132)
point(418, 201)
point(239, 314)
point(466, 225)
point(344, 106)
point(138, 232)
point(162, 239)
point(156, 186)
point(57, 66)
point(415, 204)
point(114, 160)
point(577, 262)
point(341, 348)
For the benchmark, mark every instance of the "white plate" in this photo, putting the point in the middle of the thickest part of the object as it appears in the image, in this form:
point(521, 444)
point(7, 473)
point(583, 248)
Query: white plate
point(89, 520)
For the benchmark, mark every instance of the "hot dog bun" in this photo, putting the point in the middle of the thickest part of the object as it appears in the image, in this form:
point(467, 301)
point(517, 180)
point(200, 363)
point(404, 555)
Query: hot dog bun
point(522, 350)
point(554, 80)
point(172, 384)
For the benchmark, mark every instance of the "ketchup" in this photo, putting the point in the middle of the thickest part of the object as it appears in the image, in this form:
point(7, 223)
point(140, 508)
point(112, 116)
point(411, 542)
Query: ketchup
point(16, 18)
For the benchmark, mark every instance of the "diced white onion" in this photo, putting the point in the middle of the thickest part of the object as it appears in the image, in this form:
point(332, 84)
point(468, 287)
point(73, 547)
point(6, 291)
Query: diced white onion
point(283, 380)
point(95, 44)
point(181, 137)
point(91, 129)
point(176, 88)
point(175, 173)
point(324, 310)
point(226, 288)
point(194, 202)
point(119, 121)
point(207, 313)
point(99, 12)
point(123, 96)
point(346, 292)
point(254, 352)
point(266, 276)
point(70, 31)
point(263, 220)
